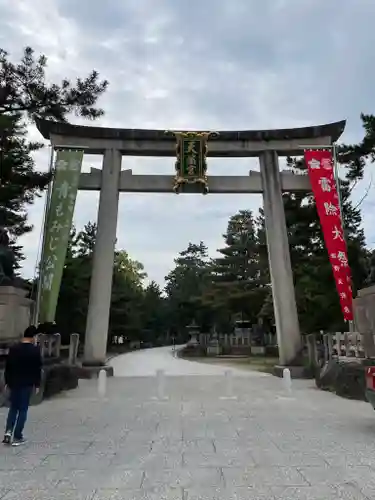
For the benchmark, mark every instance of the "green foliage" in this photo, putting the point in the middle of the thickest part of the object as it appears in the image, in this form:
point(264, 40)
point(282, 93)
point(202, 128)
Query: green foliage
point(19, 183)
point(318, 306)
point(355, 156)
point(74, 291)
point(240, 276)
point(26, 94)
point(154, 313)
point(186, 284)
point(127, 291)
point(370, 280)
point(25, 89)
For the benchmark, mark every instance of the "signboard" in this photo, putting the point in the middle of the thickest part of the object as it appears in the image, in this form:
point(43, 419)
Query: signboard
point(321, 173)
point(191, 159)
point(58, 224)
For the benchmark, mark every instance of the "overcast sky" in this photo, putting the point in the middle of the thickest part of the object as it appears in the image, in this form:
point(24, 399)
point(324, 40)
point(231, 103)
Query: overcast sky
point(200, 64)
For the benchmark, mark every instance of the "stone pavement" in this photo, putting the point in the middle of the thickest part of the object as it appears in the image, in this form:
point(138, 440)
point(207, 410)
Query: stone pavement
point(196, 445)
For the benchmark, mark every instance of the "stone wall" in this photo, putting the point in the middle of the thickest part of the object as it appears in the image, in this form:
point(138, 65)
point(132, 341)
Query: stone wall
point(364, 311)
point(345, 378)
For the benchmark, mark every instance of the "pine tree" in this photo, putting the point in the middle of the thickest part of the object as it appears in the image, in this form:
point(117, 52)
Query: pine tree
point(240, 275)
point(24, 89)
point(19, 183)
point(153, 313)
point(355, 156)
point(186, 284)
point(26, 95)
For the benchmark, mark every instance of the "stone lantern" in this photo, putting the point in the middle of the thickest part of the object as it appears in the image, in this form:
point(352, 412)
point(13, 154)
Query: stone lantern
point(213, 348)
point(193, 330)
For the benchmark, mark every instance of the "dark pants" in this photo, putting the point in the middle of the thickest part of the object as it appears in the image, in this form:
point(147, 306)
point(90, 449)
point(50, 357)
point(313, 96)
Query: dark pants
point(19, 405)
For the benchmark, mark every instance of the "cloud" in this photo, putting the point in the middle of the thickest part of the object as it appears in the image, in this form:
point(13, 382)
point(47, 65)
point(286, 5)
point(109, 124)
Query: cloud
point(243, 64)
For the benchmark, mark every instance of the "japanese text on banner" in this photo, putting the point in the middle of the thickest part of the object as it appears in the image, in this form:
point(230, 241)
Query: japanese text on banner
point(321, 173)
point(58, 224)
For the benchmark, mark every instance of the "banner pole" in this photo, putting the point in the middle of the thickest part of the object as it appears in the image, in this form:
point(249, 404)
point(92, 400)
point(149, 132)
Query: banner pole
point(44, 229)
point(337, 178)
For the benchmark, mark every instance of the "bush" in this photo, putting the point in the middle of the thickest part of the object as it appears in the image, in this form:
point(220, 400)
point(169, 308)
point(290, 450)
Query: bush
point(345, 378)
point(58, 378)
point(272, 351)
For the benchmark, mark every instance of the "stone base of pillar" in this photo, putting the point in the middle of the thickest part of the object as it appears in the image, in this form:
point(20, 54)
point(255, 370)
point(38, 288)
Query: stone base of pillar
point(93, 371)
point(95, 363)
point(296, 372)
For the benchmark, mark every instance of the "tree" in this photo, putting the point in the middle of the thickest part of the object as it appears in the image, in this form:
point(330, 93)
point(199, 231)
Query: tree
point(355, 157)
point(370, 279)
point(153, 314)
point(74, 293)
point(127, 289)
point(319, 307)
point(240, 276)
point(126, 302)
point(130, 269)
point(25, 95)
point(19, 183)
point(24, 89)
point(185, 285)
point(85, 241)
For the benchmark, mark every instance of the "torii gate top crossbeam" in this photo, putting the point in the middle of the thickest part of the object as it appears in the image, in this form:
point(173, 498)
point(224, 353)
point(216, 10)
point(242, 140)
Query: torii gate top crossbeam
point(142, 142)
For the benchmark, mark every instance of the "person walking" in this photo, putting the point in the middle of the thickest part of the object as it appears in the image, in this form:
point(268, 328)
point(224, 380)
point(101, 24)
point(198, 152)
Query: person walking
point(22, 375)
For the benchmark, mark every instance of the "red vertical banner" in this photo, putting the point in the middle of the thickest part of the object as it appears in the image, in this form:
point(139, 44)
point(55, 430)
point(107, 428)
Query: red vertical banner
point(323, 184)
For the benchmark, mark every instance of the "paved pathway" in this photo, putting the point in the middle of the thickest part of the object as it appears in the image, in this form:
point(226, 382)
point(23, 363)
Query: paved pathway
point(145, 363)
point(196, 445)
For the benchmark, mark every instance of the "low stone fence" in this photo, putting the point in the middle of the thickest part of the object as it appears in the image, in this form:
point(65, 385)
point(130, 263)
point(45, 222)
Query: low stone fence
point(323, 347)
point(235, 340)
point(339, 361)
point(238, 344)
point(50, 347)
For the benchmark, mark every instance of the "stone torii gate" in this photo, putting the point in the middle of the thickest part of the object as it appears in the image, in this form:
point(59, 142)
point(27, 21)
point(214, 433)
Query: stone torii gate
point(267, 145)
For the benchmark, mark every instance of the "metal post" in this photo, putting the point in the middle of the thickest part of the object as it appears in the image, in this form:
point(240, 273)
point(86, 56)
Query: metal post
point(337, 179)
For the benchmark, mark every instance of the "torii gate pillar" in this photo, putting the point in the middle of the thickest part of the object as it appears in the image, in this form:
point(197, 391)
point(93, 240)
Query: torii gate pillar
point(102, 267)
point(284, 300)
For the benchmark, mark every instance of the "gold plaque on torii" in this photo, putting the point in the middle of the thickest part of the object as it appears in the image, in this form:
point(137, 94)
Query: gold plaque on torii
point(191, 159)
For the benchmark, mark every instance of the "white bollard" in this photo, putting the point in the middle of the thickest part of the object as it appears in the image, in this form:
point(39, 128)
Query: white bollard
point(228, 385)
point(287, 380)
point(102, 383)
point(160, 381)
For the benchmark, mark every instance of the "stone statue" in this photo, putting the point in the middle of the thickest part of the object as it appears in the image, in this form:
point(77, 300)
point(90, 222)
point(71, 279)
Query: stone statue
point(7, 260)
